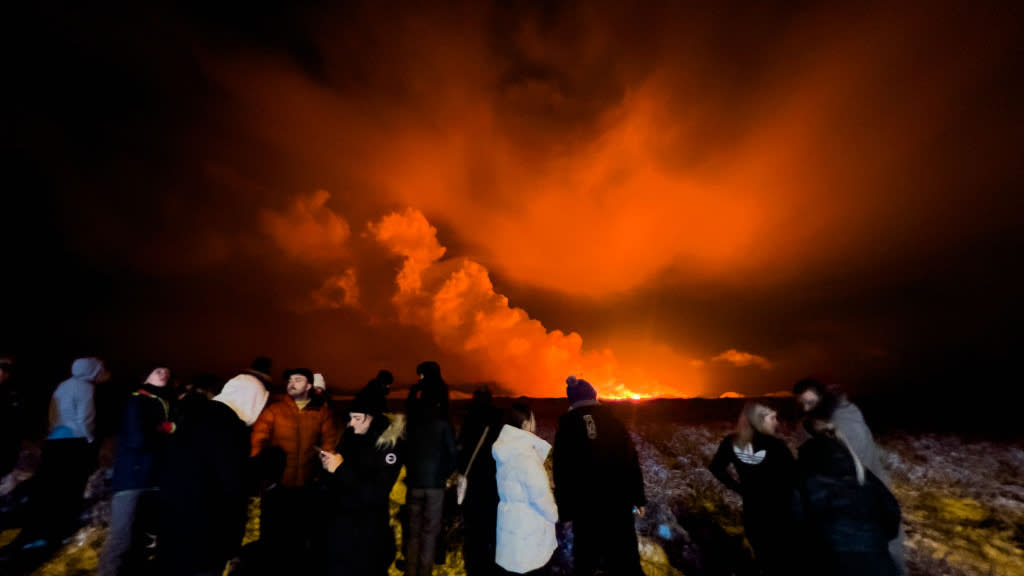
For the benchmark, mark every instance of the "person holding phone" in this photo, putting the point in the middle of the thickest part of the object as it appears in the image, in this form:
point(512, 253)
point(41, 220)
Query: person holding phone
point(360, 477)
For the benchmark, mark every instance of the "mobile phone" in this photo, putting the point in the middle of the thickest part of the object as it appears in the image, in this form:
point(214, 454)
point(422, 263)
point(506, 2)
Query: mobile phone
point(318, 449)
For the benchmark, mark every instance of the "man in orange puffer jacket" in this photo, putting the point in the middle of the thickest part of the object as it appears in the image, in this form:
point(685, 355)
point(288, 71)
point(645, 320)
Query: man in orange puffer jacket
point(290, 432)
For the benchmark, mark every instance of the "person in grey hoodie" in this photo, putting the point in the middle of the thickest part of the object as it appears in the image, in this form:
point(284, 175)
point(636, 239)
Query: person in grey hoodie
point(68, 457)
point(526, 512)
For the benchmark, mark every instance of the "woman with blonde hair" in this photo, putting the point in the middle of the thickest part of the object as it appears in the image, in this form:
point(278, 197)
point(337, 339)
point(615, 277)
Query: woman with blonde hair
point(765, 476)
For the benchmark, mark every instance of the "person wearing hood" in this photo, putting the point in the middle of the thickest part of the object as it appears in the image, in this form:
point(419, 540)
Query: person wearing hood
point(287, 433)
point(69, 456)
point(766, 472)
point(362, 473)
point(204, 496)
point(430, 460)
point(526, 512)
point(599, 485)
point(141, 447)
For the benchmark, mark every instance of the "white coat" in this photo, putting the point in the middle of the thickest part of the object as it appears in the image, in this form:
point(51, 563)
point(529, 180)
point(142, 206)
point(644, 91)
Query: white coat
point(527, 511)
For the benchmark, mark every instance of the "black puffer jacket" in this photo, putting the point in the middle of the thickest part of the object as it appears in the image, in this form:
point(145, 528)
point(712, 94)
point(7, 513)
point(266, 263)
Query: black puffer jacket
point(850, 523)
point(361, 539)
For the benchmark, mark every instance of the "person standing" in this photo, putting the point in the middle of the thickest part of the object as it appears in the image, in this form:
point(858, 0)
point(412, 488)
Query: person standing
point(430, 460)
point(766, 472)
point(821, 404)
point(141, 448)
point(527, 512)
point(599, 485)
point(476, 464)
point(361, 475)
point(69, 456)
point(204, 492)
point(849, 514)
point(290, 430)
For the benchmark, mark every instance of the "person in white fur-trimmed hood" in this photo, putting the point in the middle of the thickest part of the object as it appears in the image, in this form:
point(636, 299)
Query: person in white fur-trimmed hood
point(526, 512)
point(204, 490)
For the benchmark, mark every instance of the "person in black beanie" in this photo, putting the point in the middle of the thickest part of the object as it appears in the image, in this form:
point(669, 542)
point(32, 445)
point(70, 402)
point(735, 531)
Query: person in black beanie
point(361, 475)
point(599, 485)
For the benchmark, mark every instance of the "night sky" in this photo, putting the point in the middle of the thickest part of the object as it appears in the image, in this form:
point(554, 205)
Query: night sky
point(669, 200)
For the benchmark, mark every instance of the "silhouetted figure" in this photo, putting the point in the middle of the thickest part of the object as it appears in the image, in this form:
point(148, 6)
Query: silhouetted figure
point(767, 481)
point(141, 451)
point(69, 456)
point(850, 516)
point(828, 404)
point(598, 484)
point(480, 507)
point(260, 369)
point(430, 460)
point(361, 476)
point(11, 418)
point(527, 512)
point(382, 382)
point(204, 493)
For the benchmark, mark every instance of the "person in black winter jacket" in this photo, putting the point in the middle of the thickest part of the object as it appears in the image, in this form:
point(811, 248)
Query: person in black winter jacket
point(204, 492)
point(849, 514)
point(430, 460)
point(480, 507)
point(141, 448)
point(767, 482)
point(361, 475)
point(598, 484)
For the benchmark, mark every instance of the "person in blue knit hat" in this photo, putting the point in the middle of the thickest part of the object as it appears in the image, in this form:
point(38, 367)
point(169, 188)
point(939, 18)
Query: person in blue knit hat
point(598, 484)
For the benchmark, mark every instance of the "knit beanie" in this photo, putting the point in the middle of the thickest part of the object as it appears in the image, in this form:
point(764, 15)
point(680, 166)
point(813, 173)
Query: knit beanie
point(579, 390)
point(369, 400)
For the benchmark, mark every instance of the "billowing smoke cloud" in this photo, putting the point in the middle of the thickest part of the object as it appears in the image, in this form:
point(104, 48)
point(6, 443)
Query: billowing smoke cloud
point(743, 359)
point(309, 230)
point(659, 183)
point(455, 302)
point(338, 291)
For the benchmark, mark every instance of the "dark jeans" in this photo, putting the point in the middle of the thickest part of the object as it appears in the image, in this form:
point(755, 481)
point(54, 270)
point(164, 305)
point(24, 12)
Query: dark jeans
point(131, 517)
point(425, 508)
point(606, 540)
point(59, 483)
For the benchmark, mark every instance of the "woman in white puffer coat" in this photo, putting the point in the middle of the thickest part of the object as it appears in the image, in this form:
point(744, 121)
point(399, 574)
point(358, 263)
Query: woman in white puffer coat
point(527, 511)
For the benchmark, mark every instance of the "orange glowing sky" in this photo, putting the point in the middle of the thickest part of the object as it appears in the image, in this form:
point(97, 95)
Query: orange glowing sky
point(668, 200)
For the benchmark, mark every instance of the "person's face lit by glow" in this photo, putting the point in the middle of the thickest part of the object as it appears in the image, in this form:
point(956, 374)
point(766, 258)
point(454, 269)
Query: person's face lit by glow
point(359, 422)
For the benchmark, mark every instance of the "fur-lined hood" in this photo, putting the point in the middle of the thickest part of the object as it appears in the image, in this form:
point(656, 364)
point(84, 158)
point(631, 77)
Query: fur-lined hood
point(393, 433)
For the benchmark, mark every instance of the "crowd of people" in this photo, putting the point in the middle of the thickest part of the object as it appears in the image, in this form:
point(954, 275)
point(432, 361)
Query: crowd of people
point(188, 460)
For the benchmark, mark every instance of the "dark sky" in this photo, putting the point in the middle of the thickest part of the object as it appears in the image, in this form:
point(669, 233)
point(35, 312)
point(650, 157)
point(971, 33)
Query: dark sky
point(666, 199)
